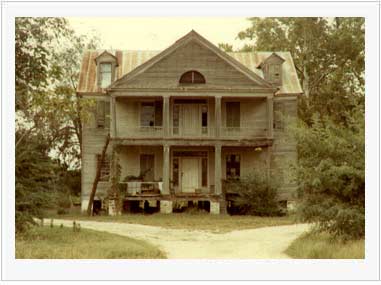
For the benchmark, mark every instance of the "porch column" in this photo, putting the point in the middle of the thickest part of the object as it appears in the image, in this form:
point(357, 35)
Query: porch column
point(270, 116)
point(113, 118)
point(217, 170)
point(217, 115)
point(166, 170)
point(166, 116)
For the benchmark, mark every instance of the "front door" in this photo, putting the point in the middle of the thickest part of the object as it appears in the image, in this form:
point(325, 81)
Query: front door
point(190, 120)
point(189, 174)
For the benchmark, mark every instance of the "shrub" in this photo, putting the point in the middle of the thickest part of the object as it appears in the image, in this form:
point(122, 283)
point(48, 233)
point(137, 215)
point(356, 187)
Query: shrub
point(331, 172)
point(254, 194)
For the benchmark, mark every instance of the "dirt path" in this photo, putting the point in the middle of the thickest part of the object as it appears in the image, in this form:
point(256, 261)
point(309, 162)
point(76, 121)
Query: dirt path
point(267, 243)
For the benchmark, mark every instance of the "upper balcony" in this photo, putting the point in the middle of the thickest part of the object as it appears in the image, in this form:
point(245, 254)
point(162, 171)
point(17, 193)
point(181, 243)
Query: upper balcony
point(217, 119)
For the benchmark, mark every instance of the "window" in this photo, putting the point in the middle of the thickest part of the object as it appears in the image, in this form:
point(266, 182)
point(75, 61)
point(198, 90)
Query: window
point(175, 171)
point(151, 114)
point(103, 114)
point(176, 115)
point(275, 73)
point(204, 172)
point(147, 167)
point(233, 166)
point(105, 73)
point(204, 119)
point(105, 168)
point(279, 112)
point(192, 77)
point(233, 114)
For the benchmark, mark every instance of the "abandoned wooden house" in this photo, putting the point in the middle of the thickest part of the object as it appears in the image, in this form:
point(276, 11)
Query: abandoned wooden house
point(182, 121)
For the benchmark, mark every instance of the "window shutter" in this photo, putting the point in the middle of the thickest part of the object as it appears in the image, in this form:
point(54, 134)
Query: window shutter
point(100, 114)
point(233, 114)
point(107, 114)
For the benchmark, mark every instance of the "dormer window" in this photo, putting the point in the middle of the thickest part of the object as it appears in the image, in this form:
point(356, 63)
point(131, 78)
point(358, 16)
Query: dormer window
point(272, 69)
point(192, 77)
point(275, 74)
point(106, 69)
point(105, 73)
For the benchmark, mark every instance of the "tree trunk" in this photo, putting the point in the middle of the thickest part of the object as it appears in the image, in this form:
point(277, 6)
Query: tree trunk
point(97, 177)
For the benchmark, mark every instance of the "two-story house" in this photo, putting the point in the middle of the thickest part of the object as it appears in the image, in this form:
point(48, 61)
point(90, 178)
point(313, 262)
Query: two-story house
point(184, 119)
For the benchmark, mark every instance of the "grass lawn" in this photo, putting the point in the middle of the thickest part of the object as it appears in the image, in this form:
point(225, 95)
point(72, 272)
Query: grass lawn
point(322, 246)
point(196, 221)
point(56, 243)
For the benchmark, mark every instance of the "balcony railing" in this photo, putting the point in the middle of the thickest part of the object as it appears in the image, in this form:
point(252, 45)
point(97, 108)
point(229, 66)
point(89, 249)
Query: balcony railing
point(141, 131)
point(243, 132)
point(192, 132)
point(204, 132)
point(133, 188)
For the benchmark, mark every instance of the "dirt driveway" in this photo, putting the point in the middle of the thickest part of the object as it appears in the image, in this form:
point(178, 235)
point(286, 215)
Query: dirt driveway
point(267, 243)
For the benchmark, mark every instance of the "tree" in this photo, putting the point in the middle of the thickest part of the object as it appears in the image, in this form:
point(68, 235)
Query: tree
point(48, 111)
point(328, 55)
point(331, 174)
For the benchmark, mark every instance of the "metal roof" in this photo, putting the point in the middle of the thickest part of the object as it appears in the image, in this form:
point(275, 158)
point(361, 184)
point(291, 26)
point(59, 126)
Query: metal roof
point(130, 59)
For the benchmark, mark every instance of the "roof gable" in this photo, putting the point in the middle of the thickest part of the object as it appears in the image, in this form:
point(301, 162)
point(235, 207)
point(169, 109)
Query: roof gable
point(193, 38)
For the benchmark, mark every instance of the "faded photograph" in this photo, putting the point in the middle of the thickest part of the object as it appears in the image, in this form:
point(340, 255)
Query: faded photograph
point(200, 138)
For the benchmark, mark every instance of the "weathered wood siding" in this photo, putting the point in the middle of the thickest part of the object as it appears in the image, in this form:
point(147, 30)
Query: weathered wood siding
point(93, 140)
point(250, 159)
point(129, 160)
point(167, 72)
point(284, 148)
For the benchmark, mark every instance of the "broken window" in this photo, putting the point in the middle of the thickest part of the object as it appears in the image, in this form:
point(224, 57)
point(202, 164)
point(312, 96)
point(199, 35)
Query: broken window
point(204, 119)
point(233, 166)
point(275, 73)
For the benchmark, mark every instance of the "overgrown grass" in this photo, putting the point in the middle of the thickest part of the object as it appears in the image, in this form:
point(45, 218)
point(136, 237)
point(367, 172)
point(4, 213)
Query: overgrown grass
point(314, 245)
point(57, 243)
point(196, 221)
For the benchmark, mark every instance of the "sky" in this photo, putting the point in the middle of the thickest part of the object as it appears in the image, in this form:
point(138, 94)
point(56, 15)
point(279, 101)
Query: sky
point(156, 33)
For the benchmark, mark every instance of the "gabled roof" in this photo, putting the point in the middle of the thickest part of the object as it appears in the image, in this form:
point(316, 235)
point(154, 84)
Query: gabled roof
point(193, 36)
point(275, 56)
point(105, 52)
point(131, 59)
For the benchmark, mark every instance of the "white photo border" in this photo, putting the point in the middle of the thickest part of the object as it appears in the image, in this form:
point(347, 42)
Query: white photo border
point(367, 269)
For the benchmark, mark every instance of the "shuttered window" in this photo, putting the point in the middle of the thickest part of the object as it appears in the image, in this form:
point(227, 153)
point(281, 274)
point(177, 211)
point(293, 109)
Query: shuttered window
point(275, 73)
point(279, 112)
point(105, 168)
point(233, 114)
point(103, 114)
point(147, 167)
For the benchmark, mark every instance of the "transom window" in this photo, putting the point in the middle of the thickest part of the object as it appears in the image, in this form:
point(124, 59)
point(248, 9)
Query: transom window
point(105, 74)
point(192, 77)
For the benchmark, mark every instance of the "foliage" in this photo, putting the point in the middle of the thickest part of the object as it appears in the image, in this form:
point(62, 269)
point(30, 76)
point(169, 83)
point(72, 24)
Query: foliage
point(48, 55)
point(254, 194)
point(226, 47)
point(64, 243)
point(34, 181)
point(328, 54)
point(331, 174)
point(315, 245)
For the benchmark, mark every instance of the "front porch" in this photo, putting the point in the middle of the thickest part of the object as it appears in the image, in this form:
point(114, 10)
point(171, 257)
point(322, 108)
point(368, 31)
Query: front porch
point(169, 175)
